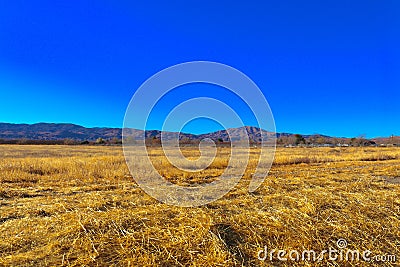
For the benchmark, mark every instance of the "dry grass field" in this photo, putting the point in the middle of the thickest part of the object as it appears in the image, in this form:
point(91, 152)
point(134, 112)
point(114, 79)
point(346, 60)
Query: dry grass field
point(79, 206)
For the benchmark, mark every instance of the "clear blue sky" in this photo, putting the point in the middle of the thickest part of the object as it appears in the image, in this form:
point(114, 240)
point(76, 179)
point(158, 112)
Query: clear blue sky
point(330, 67)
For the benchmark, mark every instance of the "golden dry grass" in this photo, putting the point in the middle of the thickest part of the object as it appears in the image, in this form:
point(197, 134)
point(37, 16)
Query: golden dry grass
point(79, 206)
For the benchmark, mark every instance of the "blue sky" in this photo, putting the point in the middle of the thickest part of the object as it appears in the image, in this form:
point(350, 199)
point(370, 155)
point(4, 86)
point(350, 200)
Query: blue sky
point(330, 67)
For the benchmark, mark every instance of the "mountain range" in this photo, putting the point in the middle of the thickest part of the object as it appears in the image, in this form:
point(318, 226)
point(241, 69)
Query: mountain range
point(62, 131)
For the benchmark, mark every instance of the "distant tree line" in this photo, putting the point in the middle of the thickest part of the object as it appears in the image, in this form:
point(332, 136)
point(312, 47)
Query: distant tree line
point(317, 140)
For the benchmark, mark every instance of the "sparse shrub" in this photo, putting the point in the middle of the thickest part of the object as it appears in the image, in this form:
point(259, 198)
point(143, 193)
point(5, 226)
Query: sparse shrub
point(69, 141)
point(100, 141)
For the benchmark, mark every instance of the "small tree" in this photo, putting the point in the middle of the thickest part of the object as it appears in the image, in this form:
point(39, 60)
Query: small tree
point(299, 139)
point(116, 140)
point(321, 140)
point(69, 141)
point(100, 141)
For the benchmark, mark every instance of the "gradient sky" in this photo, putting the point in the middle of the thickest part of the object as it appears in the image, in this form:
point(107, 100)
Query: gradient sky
point(330, 67)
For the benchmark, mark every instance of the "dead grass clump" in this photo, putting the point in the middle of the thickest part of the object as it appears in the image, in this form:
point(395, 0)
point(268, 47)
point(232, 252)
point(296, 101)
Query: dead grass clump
point(378, 157)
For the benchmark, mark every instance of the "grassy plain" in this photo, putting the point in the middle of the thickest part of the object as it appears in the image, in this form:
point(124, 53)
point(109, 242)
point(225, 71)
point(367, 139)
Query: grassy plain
point(79, 206)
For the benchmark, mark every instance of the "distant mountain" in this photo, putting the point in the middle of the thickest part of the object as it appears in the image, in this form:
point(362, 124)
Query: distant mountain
point(55, 131)
point(238, 134)
point(59, 131)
